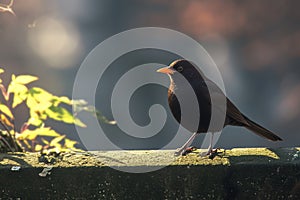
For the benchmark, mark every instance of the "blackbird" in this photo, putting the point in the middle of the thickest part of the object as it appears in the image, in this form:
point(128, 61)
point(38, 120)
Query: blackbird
point(204, 90)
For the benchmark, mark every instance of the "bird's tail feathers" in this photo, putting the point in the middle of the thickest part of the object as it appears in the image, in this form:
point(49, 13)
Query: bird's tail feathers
point(261, 131)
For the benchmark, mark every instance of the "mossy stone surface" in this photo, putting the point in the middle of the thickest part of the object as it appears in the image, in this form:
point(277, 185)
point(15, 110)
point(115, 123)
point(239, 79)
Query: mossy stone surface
point(246, 173)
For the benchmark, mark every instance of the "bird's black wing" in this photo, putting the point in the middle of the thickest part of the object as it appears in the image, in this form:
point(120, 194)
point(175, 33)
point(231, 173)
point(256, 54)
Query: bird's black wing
point(234, 116)
point(224, 105)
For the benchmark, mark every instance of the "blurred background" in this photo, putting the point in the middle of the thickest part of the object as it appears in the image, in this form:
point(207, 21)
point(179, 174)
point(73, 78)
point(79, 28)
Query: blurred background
point(255, 44)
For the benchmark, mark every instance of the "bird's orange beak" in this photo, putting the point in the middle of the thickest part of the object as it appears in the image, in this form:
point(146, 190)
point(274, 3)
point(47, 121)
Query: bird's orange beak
point(166, 70)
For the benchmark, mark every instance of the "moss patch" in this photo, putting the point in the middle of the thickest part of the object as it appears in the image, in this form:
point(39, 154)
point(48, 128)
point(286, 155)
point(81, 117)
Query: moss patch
point(153, 158)
point(251, 173)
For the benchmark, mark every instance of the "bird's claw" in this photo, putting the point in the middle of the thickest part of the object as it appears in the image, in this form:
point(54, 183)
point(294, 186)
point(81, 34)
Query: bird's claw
point(184, 152)
point(211, 153)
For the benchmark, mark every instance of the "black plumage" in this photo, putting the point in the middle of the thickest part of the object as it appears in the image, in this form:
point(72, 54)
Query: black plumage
point(205, 90)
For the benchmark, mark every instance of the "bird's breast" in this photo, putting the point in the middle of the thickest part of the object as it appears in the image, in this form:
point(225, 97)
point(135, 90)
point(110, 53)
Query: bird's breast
point(197, 115)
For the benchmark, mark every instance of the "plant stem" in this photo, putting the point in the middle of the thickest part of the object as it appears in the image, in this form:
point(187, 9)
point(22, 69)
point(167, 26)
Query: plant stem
point(10, 136)
point(6, 143)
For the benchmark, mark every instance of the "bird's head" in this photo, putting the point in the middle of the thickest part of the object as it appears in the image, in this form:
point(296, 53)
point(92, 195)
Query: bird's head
point(182, 68)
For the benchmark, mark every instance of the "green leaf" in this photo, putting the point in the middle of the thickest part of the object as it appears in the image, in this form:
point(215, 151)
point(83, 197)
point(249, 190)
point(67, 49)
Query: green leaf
point(31, 102)
point(104, 119)
point(79, 105)
point(60, 114)
point(56, 140)
point(27, 135)
point(41, 107)
point(32, 134)
point(18, 99)
point(16, 88)
point(79, 102)
point(38, 147)
point(35, 121)
point(47, 131)
point(37, 106)
point(4, 109)
point(69, 144)
point(44, 141)
point(63, 99)
point(25, 79)
point(6, 121)
point(40, 94)
point(78, 122)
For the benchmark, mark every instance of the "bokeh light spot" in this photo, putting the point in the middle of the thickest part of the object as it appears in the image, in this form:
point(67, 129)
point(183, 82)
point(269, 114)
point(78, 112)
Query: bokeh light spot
point(54, 41)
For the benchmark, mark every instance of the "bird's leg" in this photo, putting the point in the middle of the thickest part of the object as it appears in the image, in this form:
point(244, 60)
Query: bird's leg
point(211, 143)
point(210, 148)
point(181, 150)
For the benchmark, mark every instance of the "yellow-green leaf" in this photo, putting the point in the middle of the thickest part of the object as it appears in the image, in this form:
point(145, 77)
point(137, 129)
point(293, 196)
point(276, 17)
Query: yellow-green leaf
point(27, 144)
point(65, 100)
point(18, 99)
point(78, 122)
point(16, 88)
point(43, 106)
point(31, 102)
point(12, 132)
point(27, 135)
point(6, 121)
point(40, 94)
point(1, 70)
point(44, 141)
point(4, 109)
point(57, 100)
point(60, 114)
point(35, 121)
point(46, 131)
point(32, 134)
point(69, 143)
point(25, 79)
point(38, 147)
point(56, 140)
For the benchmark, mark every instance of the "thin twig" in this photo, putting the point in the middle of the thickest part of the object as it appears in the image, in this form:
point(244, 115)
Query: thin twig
point(7, 144)
point(7, 8)
point(10, 135)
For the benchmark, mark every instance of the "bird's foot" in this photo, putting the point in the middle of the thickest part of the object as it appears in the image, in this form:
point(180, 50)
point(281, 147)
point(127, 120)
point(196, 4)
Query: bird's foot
point(211, 153)
point(185, 151)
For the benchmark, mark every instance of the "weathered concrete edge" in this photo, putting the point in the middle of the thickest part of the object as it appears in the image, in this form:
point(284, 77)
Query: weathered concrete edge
point(238, 173)
point(153, 158)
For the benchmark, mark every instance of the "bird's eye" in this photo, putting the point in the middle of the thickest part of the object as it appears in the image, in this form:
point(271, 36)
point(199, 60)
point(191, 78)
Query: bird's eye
point(179, 69)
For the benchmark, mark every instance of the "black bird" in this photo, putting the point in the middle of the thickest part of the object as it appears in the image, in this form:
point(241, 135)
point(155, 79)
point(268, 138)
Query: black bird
point(204, 90)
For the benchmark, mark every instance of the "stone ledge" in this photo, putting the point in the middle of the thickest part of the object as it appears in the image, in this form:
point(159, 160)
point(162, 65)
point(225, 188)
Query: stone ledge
point(237, 173)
